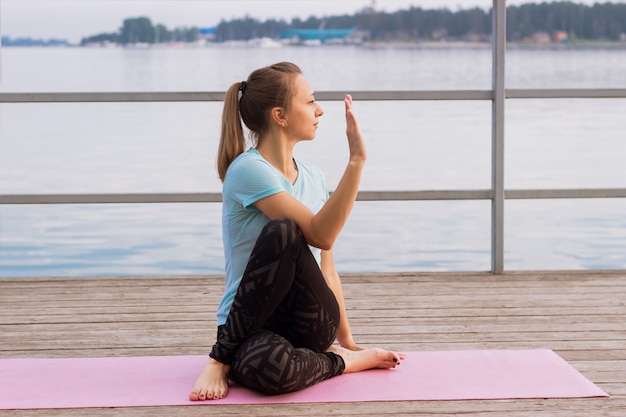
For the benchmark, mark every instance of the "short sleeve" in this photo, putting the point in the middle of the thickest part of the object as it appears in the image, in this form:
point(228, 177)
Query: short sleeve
point(251, 179)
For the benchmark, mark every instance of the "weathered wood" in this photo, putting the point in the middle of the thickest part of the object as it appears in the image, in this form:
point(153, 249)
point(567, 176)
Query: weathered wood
point(580, 315)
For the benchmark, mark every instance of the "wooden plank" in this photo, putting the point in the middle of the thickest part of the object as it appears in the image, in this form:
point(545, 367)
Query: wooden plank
point(580, 315)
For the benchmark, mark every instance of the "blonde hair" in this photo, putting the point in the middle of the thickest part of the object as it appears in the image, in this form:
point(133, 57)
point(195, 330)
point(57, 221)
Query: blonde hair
point(265, 88)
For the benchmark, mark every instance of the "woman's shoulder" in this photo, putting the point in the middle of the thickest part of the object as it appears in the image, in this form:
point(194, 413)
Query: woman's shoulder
point(251, 170)
point(248, 156)
point(248, 161)
point(250, 178)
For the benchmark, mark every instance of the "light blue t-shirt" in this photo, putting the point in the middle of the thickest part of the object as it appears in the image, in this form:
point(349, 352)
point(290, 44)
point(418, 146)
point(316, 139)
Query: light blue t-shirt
point(250, 178)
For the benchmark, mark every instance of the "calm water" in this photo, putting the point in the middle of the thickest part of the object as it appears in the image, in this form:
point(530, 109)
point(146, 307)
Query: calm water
point(170, 147)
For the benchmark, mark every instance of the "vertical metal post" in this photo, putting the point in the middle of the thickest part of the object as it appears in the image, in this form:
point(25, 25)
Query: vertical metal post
point(498, 44)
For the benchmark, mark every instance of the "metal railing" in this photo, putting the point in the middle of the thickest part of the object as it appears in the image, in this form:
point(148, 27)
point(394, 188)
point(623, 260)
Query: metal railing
point(497, 95)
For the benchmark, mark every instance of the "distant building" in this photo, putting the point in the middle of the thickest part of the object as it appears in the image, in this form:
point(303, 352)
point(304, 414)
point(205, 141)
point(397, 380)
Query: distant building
point(439, 34)
point(208, 34)
point(541, 37)
point(560, 36)
point(476, 37)
point(323, 35)
point(7, 41)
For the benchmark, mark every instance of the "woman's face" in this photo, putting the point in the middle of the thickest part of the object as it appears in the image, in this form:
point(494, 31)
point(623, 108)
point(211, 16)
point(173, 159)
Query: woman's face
point(302, 117)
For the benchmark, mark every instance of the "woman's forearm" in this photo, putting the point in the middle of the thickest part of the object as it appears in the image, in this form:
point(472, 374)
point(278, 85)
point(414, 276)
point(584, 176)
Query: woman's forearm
point(331, 218)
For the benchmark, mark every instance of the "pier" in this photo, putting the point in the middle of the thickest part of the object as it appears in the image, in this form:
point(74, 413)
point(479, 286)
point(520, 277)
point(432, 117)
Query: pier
point(581, 315)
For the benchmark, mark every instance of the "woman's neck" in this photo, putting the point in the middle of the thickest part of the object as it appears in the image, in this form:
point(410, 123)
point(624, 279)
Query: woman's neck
point(280, 156)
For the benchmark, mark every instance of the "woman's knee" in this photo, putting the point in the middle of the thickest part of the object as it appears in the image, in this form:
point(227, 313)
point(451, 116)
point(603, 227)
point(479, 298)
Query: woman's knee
point(285, 231)
point(269, 363)
point(265, 363)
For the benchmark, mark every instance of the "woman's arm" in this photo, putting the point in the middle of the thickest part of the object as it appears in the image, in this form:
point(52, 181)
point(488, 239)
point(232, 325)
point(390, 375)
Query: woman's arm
point(344, 337)
point(321, 229)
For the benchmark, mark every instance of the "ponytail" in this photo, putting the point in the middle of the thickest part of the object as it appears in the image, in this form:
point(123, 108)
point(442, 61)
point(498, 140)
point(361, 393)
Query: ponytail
point(232, 139)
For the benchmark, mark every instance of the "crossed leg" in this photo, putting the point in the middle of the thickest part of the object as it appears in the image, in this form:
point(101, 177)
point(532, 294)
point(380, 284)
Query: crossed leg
point(280, 258)
point(281, 287)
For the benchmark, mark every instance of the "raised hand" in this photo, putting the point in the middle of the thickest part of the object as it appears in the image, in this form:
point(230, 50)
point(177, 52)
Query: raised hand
point(358, 152)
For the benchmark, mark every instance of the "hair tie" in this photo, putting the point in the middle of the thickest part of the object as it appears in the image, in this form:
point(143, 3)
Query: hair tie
point(242, 86)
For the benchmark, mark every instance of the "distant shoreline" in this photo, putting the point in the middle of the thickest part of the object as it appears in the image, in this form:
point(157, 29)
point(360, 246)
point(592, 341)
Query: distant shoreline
point(479, 45)
point(367, 44)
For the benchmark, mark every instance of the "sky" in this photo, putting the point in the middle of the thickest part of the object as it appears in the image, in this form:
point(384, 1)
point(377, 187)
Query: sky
point(74, 19)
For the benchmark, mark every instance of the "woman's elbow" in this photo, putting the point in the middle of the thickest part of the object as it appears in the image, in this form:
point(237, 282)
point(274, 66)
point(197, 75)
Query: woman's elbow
point(321, 243)
point(319, 236)
point(326, 246)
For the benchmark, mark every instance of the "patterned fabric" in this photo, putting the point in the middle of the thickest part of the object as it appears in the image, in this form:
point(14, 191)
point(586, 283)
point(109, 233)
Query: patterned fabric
point(282, 319)
point(268, 363)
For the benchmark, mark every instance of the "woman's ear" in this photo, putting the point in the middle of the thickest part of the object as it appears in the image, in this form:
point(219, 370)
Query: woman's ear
point(278, 116)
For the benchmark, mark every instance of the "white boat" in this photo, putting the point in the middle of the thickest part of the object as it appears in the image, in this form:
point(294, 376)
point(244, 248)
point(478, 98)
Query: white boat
point(265, 43)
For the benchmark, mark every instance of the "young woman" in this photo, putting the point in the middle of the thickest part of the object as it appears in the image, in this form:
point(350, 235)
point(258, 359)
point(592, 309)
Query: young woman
point(283, 306)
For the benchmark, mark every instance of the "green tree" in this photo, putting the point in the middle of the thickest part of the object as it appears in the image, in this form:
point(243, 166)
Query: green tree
point(103, 37)
point(161, 34)
point(599, 21)
point(137, 30)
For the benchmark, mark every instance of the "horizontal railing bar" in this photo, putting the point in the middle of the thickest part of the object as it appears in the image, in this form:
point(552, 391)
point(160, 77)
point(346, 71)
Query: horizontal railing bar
point(216, 96)
point(102, 97)
point(567, 93)
point(83, 97)
point(424, 195)
point(217, 197)
point(132, 198)
point(568, 193)
point(111, 198)
point(408, 95)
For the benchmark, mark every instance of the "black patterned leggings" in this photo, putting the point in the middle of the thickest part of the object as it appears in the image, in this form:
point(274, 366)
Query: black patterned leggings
point(284, 316)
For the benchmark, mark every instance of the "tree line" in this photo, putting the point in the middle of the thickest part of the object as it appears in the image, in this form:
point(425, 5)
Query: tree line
point(141, 30)
point(606, 21)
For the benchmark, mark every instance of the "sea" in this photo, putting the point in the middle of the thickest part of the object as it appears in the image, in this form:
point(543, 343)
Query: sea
point(413, 145)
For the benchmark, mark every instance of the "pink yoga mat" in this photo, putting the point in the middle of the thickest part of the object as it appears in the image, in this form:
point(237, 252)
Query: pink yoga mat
point(167, 380)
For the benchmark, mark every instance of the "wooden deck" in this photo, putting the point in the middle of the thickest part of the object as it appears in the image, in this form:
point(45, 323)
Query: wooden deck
point(579, 315)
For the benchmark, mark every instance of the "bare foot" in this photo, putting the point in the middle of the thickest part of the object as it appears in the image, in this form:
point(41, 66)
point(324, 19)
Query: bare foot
point(361, 360)
point(212, 384)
